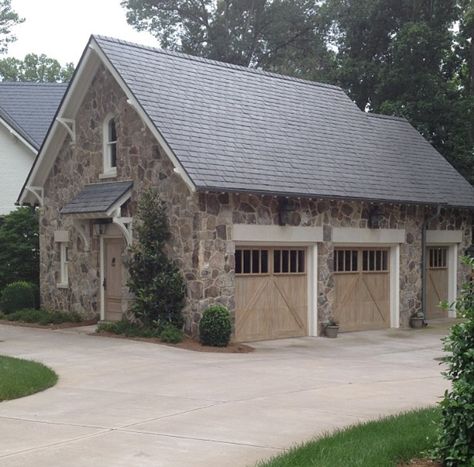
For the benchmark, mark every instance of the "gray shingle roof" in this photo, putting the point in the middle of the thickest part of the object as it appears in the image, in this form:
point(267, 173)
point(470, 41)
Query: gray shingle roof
point(97, 198)
point(233, 128)
point(29, 108)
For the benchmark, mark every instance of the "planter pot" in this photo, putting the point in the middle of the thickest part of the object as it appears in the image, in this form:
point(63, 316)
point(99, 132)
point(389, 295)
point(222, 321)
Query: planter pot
point(331, 331)
point(416, 323)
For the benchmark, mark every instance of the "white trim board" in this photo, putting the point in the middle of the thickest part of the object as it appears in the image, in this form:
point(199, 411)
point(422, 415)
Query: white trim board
point(350, 235)
point(443, 236)
point(271, 234)
point(452, 277)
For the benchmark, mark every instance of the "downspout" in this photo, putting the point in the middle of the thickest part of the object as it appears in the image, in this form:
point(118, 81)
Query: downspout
point(424, 268)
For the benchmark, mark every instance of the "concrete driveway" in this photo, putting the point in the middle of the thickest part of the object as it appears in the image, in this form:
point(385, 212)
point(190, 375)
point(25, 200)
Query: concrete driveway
point(126, 403)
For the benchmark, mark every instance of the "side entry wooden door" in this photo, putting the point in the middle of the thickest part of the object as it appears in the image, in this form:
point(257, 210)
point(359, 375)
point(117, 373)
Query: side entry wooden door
point(437, 282)
point(113, 278)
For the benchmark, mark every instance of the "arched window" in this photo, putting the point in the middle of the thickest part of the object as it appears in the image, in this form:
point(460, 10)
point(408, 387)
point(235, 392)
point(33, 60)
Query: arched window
point(110, 146)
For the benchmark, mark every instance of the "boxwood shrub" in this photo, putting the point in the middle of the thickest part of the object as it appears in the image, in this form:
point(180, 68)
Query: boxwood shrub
point(215, 326)
point(17, 296)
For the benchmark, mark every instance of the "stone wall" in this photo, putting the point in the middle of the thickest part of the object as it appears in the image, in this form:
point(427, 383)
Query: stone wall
point(263, 210)
point(140, 159)
point(201, 223)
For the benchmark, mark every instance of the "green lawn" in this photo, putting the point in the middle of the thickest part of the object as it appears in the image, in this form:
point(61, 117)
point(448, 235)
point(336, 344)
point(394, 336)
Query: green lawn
point(19, 378)
point(383, 443)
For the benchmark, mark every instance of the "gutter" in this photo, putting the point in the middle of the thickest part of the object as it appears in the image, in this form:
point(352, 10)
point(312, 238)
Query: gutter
point(424, 268)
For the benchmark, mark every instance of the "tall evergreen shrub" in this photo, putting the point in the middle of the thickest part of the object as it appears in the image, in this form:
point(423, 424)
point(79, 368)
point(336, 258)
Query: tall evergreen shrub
point(456, 438)
point(155, 280)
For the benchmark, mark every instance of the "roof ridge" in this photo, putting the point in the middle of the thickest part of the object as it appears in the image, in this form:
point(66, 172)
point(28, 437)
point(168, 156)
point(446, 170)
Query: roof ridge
point(217, 62)
point(30, 83)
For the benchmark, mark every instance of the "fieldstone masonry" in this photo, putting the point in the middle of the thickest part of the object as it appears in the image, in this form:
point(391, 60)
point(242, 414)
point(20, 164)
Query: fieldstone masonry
point(201, 223)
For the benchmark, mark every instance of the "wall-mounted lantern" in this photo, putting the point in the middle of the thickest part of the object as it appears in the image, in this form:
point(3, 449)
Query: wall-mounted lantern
point(285, 208)
point(375, 217)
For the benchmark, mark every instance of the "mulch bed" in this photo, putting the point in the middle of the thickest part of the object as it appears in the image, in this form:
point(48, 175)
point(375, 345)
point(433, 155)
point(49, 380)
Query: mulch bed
point(186, 344)
point(422, 463)
point(89, 322)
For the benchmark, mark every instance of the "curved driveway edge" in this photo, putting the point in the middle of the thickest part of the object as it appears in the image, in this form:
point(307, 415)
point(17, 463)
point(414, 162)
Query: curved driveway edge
point(127, 403)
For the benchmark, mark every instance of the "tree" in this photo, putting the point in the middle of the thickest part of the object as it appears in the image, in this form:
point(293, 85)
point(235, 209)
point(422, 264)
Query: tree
point(155, 280)
point(278, 35)
point(8, 19)
point(19, 247)
point(398, 58)
point(37, 68)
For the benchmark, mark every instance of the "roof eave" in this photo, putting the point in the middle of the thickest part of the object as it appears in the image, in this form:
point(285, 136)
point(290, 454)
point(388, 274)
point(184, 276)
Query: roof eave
point(217, 189)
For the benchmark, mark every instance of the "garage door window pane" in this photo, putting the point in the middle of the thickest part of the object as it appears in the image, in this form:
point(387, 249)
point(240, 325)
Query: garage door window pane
point(374, 260)
point(293, 261)
point(284, 261)
point(277, 261)
point(246, 269)
point(301, 261)
point(255, 261)
point(264, 261)
point(438, 258)
point(345, 260)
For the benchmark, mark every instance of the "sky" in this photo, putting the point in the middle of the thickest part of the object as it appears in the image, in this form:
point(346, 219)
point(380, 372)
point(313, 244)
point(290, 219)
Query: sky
point(61, 28)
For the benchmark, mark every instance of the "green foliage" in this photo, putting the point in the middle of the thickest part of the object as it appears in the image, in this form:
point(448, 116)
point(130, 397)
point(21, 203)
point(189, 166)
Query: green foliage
point(19, 247)
point(17, 296)
point(215, 326)
point(456, 437)
point(167, 332)
point(43, 317)
point(171, 334)
point(155, 280)
point(283, 35)
point(35, 68)
point(19, 378)
point(386, 442)
point(126, 328)
point(8, 19)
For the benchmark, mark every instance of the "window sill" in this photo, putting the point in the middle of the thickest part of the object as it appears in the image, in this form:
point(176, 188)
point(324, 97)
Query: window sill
point(108, 174)
point(62, 286)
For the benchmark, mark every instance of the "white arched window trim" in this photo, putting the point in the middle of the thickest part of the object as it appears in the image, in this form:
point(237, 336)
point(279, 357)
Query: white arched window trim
point(109, 150)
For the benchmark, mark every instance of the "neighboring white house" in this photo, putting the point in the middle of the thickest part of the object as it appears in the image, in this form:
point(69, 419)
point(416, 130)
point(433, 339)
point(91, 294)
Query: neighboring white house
point(26, 112)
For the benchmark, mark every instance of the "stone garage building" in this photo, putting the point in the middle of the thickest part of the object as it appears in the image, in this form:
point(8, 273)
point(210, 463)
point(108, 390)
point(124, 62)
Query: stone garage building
point(286, 202)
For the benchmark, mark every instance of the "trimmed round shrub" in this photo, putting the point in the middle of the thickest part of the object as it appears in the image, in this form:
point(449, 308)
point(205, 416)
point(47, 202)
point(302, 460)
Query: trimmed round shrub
point(17, 296)
point(215, 326)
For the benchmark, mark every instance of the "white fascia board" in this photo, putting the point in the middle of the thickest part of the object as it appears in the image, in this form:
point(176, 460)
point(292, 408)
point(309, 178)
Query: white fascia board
point(118, 204)
point(17, 135)
point(179, 169)
point(351, 236)
point(55, 138)
point(443, 236)
point(275, 234)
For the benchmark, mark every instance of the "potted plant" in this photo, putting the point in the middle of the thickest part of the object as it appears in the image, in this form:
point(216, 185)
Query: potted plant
point(332, 328)
point(417, 320)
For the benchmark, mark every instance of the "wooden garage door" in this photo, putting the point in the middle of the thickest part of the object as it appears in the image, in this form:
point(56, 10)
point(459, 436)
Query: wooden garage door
point(271, 293)
point(436, 282)
point(362, 289)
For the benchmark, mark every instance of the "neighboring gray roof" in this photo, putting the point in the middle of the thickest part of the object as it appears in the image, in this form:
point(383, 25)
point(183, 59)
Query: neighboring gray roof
point(238, 129)
point(97, 198)
point(29, 108)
